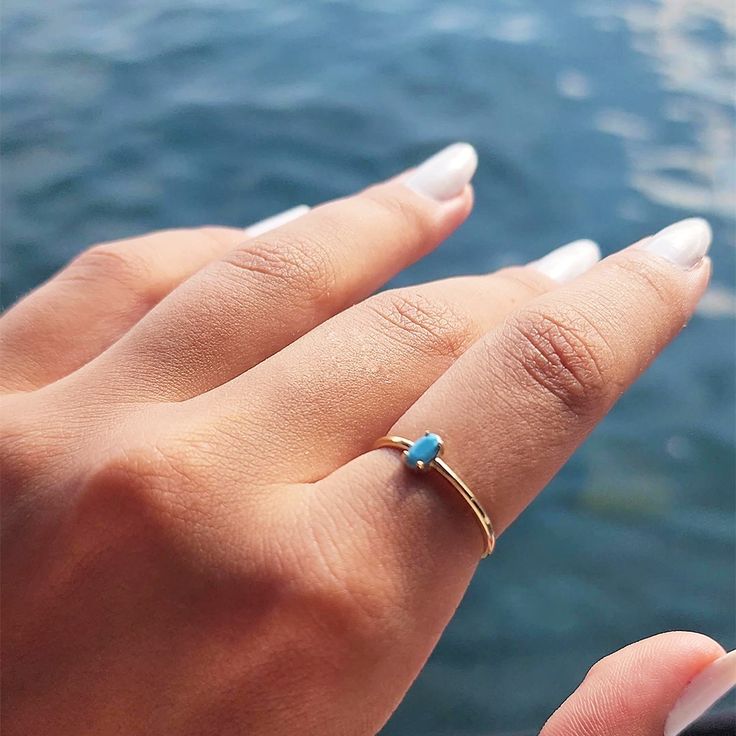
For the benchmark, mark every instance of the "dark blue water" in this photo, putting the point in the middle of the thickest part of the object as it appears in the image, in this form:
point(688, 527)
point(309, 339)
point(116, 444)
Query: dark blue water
point(603, 119)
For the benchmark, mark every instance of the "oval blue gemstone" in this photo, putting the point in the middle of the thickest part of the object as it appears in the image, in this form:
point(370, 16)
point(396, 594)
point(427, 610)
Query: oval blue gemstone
point(424, 450)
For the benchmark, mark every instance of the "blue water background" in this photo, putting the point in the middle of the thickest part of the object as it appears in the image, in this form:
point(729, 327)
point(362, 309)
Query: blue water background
point(603, 119)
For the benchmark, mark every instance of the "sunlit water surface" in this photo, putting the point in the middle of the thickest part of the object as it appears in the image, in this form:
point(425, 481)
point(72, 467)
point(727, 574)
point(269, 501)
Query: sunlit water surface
point(593, 119)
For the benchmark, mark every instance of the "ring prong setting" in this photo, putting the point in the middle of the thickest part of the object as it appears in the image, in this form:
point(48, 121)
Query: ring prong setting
point(423, 452)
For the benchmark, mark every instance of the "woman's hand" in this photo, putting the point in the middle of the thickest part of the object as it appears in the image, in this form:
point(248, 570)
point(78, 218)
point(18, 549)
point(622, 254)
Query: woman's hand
point(197, 537)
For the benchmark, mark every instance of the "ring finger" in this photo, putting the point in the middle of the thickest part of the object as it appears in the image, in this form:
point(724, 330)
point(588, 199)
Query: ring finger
point(517, 404)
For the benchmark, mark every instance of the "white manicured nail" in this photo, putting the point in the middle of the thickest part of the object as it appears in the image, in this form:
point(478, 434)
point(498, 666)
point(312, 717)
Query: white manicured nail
point(445, 175)
point(703, 691)
point(568, 261)
point(685, 243)
point(271, 223)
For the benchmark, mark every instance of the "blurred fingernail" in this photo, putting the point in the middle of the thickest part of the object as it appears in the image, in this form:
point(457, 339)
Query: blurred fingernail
point(568, 261)
point(271, 223)
point(446, 174)
point(685, 243)
point(703, 691)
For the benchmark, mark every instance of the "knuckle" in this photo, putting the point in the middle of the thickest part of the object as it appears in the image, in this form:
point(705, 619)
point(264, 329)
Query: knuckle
point(138, 508)
point(299, 263)
point(357, 604)
point(433, 327)
point(335, 570)
point(566, 355)
point(142, 483)
point(358, 609)
point(109, 264)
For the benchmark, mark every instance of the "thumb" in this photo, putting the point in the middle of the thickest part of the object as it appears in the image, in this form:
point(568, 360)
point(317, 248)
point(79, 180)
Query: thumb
point(656, 687)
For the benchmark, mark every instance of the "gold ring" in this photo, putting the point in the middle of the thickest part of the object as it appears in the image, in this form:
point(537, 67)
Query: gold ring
point(424, 455)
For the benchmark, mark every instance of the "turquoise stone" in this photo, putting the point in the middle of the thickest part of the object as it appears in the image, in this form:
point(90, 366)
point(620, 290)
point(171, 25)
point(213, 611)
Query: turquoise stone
point(423, 451)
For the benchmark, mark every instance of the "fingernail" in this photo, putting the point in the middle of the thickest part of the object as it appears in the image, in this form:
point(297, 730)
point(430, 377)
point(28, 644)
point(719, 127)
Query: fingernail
point(568, 261)
point(445, 175)
point(685, 243)
point(271, 223)
point(703, 691)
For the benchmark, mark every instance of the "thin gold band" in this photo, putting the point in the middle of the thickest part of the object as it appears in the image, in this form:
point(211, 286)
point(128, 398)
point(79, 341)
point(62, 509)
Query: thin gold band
point(489, 538)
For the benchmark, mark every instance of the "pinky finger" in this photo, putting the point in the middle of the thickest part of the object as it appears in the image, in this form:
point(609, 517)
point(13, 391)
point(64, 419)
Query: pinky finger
point(656, 687)
point(102, 293)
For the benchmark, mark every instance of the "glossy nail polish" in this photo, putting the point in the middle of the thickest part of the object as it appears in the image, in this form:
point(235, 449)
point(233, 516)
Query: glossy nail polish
point(271, 223)
point(703, 691)
point(568, 261)
point(446, 174)
point(685, 243)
